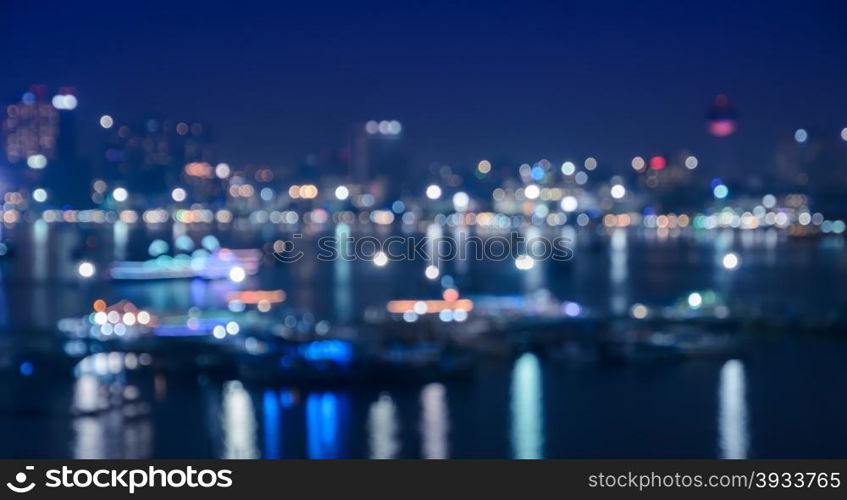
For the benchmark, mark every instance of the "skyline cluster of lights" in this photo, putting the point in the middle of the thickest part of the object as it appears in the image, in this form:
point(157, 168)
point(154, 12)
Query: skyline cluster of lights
point(541, 194)
point(384, 127)
point(514, 207)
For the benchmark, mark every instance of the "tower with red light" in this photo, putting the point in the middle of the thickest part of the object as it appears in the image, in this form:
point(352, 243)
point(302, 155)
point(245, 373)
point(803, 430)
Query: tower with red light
point(721, 119)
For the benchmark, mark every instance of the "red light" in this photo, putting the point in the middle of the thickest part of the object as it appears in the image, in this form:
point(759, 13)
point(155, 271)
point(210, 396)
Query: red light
point(657, 163)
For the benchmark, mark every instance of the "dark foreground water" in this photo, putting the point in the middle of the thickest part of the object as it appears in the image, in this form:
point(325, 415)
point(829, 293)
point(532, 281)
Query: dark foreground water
point(787, 400)
point(783, 398)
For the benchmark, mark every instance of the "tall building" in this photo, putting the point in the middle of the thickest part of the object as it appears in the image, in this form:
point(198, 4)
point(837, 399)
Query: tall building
point(721, 118)
point(722, 122)
point(151, 157)
point(377, 156)
point(39, 138)
point(811, 161)
point(65, 101)
point(31, 128)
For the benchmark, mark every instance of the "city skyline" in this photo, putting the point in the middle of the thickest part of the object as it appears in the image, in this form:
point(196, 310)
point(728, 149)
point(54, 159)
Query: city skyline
point(436, 230)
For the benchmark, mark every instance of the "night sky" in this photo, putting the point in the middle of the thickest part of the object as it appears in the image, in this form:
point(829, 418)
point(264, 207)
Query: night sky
point(516, 81)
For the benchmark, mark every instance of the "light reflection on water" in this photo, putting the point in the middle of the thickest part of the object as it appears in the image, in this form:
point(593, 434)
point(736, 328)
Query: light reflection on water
point(732, 418)
point(109, 416)
point(326, 412)
point(238, 422)
point(435, 422)
point(113, 417)
point(272, 421)
point(619, 273)
point(342, 287)
point(527, 408)
point(383, 427)
point(534, 278)
point(607, 274)
point(510, 415)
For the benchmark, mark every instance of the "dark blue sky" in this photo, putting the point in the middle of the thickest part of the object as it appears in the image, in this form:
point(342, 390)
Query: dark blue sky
point(514, 80)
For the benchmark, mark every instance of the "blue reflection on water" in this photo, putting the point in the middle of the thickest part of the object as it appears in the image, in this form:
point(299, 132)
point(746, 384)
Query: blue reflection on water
point(271, 424)
point(527, 410)
point(325, 413)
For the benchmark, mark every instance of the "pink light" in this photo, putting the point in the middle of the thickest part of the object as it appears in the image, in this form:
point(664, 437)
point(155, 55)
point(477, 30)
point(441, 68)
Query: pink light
point(721, 128)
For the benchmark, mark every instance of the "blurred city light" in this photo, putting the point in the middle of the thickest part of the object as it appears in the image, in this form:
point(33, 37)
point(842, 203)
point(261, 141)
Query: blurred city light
point(433, 192)
point(237, 274)
point(380, 259)
point(730, 261)
point(86, 269)
point(37, 161)
point(524, 262)
point(617, 191)
point(695, 300)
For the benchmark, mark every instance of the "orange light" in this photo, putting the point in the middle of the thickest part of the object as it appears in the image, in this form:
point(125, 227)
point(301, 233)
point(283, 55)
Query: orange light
point(432, 306)
point(99, 305)
point(256, 296)
point(451, 295)
point(199, 169)
point(306, 191)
